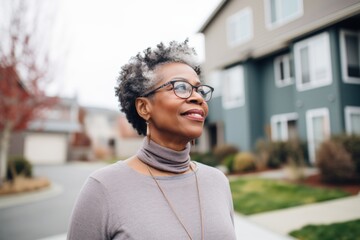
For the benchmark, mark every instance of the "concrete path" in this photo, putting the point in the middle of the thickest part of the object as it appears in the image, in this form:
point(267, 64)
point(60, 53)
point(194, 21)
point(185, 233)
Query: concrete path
point(286, 220)
point(246, 229)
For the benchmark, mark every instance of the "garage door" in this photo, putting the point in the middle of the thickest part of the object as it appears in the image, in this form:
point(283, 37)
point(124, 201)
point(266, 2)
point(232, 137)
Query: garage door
point(43, 148)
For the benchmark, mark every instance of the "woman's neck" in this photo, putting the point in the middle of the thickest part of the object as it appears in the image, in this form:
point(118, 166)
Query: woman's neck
point(163, 158)
point(171, 142)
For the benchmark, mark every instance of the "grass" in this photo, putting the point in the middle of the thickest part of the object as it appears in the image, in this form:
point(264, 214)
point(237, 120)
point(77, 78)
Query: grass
point(255, 195)
point(340, 231)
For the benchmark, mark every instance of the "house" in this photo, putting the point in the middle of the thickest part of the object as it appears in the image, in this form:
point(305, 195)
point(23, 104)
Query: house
point(110, 133)
point(68, 132)
point(47, 138)
point(284, 69)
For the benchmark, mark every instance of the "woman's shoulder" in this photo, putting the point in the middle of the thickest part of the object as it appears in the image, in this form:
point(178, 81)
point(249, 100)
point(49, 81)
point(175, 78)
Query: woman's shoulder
point(110, 172)
point(211, 172)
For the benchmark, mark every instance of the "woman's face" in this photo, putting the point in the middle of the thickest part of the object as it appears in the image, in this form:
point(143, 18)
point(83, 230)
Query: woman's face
point(174, 120)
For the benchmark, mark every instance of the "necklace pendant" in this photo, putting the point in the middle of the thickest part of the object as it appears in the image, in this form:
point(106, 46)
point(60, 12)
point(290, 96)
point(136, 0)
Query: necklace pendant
point(173, 209)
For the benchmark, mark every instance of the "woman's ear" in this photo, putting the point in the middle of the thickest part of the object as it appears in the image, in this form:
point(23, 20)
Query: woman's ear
point(143, 107)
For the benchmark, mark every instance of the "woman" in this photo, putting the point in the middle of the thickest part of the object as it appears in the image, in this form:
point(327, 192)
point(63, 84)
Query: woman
point(158, 193)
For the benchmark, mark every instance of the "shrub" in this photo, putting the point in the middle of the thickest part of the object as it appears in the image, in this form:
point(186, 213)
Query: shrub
point(222, 151)
point(228, 162)
point(205, 158)
point(243, 162)
point(261, 149)
point(336, 159)
point(351, 143)
point(18, 165)
point(277, 153)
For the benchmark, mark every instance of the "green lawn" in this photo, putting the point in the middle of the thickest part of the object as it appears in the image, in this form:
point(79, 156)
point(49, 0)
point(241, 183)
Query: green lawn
point(340, 231)
point(254, 195)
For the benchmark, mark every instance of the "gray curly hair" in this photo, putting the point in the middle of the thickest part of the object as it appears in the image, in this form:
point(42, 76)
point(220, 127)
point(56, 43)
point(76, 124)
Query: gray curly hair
point(137, 76)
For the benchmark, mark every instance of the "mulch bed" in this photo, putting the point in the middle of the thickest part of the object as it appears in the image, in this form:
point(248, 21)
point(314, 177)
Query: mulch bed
point(22, 184)
point(315, 180)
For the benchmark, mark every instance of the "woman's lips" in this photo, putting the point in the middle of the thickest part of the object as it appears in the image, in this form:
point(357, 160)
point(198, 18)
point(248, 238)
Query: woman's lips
point(194, 114)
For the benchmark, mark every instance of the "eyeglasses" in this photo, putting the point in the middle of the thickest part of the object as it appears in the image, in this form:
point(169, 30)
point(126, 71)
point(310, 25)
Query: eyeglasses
point(183, 89)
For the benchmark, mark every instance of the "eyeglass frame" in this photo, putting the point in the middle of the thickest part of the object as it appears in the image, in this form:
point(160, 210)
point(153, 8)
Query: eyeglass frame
point(172, 82)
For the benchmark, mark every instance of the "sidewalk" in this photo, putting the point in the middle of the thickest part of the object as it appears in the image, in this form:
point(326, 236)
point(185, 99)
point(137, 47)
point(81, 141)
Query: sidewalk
point(246, 229)
point(286, 220)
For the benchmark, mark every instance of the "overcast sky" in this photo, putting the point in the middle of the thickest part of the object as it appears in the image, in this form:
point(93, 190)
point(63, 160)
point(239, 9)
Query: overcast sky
point(101, 35)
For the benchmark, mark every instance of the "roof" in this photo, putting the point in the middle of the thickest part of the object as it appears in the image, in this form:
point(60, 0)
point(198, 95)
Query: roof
point(213, 15)
point(103, 111)
point(54, 126)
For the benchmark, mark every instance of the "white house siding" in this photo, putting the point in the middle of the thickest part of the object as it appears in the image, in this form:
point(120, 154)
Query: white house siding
point(46, 148)
point(128, 147)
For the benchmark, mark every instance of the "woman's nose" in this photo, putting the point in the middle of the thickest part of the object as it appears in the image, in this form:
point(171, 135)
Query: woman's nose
point(195, 97)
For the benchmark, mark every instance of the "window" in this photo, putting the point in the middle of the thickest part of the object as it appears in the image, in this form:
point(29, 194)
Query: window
point(313, 62)
point(215, 81)
point(318, 129)
point(280, 12)
point(240, 27)
point(352, 120)
point(350, 56)
point(233, 90)
point(283, 71)
point(284, 127)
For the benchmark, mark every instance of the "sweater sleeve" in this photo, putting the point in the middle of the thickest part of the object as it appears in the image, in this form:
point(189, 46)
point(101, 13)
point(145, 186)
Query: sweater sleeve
point(90, 214)
point(231, 204)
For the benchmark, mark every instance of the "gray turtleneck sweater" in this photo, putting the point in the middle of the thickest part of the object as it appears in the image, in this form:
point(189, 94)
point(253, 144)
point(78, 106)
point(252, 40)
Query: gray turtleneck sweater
point(117, 202)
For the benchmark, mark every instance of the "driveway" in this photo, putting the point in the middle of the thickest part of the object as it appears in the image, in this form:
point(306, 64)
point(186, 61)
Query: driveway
point(36, 216)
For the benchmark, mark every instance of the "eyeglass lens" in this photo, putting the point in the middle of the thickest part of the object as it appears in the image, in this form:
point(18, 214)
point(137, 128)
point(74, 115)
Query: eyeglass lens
point(184, 90)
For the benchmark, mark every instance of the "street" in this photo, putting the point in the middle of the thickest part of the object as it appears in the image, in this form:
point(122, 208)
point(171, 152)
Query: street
point(50, 216)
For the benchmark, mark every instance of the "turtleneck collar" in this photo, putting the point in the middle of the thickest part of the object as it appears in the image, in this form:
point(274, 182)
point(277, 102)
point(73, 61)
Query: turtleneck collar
point(164, 159)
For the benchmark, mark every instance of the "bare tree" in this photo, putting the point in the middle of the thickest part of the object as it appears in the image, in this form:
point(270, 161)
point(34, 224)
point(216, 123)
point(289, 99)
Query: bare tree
point(24, 69)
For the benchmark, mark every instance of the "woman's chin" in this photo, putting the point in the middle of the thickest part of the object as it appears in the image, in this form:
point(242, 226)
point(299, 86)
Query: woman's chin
point(195, 134)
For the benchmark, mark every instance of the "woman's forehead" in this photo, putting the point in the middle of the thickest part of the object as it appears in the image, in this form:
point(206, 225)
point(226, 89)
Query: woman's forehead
point(172, 71)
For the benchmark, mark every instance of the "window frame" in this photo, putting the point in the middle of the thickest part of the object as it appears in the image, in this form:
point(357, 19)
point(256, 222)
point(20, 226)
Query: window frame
point(344, 71)
point(228, 100)
point(349, 110)
point(311, 43)
point(310, 114)
point(215, 78)
point(283, 118)
point(288, 80)
point(235, 19)
point(283, 21)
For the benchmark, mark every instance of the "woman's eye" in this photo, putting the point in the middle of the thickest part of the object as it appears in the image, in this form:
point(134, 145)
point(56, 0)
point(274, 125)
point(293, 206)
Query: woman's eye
point(181, 87)
point(202, 92)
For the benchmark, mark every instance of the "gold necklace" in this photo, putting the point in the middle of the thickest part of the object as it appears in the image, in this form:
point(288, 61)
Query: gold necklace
point(173, 209)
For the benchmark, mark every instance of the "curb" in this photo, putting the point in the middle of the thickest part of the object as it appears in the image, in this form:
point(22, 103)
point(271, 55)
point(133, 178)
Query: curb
point(29, 197)
point(56, 237)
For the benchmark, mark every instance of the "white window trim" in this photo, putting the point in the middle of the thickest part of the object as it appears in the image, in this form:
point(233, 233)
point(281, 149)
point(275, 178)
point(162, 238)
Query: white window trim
point(235, 103)
point(283, 119)
point(344, 70)
point(215, 78)
point(313, 84)
point(310, 114)
point(271, 26)
point(287, 81)
point(248, 11)
point(349, 110)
